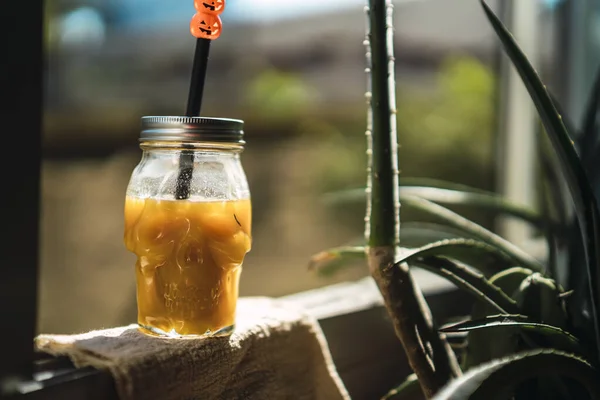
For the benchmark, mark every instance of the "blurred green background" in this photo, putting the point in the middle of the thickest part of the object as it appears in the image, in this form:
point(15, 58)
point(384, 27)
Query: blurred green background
point(294, 71)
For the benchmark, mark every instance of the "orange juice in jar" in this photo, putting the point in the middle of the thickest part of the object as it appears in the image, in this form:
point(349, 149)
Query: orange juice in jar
point(188, 220)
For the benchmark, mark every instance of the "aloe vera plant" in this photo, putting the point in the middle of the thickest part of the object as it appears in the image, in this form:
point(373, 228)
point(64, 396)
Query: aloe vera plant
point(428, 353)
point(527, 337)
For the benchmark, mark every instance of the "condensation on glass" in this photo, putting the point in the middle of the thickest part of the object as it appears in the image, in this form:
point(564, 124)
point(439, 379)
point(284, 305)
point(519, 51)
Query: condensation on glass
point(188, 220)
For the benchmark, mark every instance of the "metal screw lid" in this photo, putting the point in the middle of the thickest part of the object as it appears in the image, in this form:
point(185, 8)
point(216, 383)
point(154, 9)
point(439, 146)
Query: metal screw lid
point(192, 129)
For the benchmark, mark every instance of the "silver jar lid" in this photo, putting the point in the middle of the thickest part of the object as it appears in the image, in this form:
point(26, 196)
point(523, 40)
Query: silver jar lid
point(192, 129)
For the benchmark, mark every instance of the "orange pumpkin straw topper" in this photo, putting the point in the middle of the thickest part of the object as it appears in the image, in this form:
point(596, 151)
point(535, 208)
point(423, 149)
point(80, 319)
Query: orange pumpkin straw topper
point(214, 7)
point(206, 24)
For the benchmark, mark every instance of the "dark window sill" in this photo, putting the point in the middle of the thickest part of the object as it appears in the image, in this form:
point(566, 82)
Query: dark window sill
point(368, 357)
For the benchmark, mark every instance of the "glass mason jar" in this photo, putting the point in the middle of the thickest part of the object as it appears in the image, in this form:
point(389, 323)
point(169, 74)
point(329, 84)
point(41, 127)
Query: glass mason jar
point(188, 220)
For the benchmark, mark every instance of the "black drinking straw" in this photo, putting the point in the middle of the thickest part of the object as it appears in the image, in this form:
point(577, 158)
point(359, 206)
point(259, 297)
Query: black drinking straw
point(198, 77)
point(194, 105)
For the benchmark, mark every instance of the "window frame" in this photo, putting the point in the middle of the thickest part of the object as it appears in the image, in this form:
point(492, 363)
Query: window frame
point(21, 83)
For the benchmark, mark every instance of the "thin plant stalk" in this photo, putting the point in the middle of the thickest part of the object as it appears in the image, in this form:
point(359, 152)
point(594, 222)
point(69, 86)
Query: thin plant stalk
point(428, 353)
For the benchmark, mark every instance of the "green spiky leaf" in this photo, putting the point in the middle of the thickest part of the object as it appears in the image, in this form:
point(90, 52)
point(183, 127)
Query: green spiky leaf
point(586, 208)
point(552, 201)
point(408, 389)
point(474, 230)
point(475, 253)
point(465, 278)
point(487, 201)
point(470, 251)
point(569, 124)
point(588, 140)
point(485, 346)
point(551, 336)
point(448, 193)
point(540, 298)
point(441, 184)
point(510, 279)
point(498, 379)
point(329, 262)
point(589, 134)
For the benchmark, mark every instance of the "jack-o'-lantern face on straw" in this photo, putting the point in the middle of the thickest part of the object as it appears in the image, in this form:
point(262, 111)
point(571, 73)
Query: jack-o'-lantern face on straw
point(214, 7)
point(206, 26)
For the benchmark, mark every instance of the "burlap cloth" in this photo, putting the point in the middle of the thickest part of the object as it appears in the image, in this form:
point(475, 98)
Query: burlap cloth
point(276, 352)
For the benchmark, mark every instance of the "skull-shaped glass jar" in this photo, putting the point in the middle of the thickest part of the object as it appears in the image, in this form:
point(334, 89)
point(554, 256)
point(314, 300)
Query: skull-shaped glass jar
point(188, 221)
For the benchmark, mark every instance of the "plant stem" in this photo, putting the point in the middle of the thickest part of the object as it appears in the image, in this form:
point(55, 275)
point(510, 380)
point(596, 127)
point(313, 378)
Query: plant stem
point(385, 204)
point(428, 353)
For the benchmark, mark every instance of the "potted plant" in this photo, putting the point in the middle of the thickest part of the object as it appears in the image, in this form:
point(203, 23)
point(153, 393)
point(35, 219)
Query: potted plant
point(528, 335)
